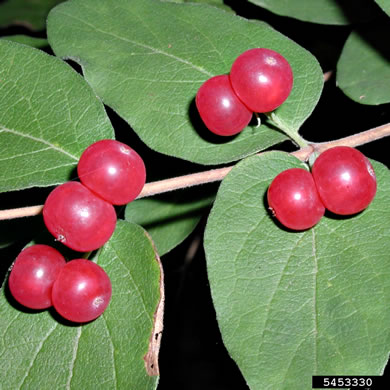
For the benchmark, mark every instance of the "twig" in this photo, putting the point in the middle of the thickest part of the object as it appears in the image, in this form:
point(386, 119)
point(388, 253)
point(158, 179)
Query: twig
point(159, 187)
point(176, 183)
point(20, 212)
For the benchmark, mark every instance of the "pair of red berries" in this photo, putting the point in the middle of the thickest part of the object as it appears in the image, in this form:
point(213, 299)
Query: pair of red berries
point(342, 180)
point(79, 290)
point(260, 80)
point(82, 215)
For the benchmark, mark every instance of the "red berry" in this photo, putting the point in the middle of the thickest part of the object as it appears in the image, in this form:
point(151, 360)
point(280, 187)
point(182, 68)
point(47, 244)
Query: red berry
point(262, 79)
point(33, 274)
point(220, 109)
point(294, 200)
point(78, 218)
point(82, 291)
point(345, 180)
point(113, 171)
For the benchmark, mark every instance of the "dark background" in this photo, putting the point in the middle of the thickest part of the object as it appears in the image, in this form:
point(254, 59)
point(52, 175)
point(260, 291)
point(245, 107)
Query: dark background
point(192, 354)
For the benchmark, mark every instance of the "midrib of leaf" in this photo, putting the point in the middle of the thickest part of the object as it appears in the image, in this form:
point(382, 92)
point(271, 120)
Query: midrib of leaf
point(155, 81)
point(269, 304)
point(115, 376)
point(108, 244)
point(40, 140)
point(74, 356)
point(39, 348)
point(151, 48)
point(314, 331)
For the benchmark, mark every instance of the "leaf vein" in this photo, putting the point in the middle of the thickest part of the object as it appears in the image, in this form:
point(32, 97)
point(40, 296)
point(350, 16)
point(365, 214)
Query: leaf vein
point(114, 369)
point(39, 348)
point(145, 46)
point(74, 357)
point(39, 140)
point(131, 277)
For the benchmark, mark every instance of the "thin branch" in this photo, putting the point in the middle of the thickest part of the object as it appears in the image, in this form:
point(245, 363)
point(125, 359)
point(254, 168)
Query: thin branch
point(358, 139)
point(159, 187)
point(30, 211)
point(176, 183)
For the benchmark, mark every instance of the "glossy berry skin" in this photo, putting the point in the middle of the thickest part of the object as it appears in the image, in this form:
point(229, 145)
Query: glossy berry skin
point(78, 218)
point(293, 199)
point(113, 171)
point(82, 291)
point(220, 109)
point(33, 274)
point(345, 180)
point(262, 79)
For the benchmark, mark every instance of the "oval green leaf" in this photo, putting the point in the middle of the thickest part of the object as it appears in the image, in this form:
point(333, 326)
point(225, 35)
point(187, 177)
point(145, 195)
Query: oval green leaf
point(48, 116)
point(146, 59)
point(295, 304)
point(171, 217)
point(115, 351)
point(27, 13)
point(321, 11)
point(364, 65)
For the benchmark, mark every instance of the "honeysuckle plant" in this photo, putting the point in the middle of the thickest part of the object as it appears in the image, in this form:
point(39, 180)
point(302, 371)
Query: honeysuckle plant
point(289, 304)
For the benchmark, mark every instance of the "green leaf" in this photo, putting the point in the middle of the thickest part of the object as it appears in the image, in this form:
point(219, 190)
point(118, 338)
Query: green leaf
point(321, 11)
point(385, 5)
point(38, 351)
point(146, 59)
point(27, 40)
point(48, 116)
point(29, 13)
point(295, 304)
point(170, 218)
point(215, 3)
point(363, 69)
